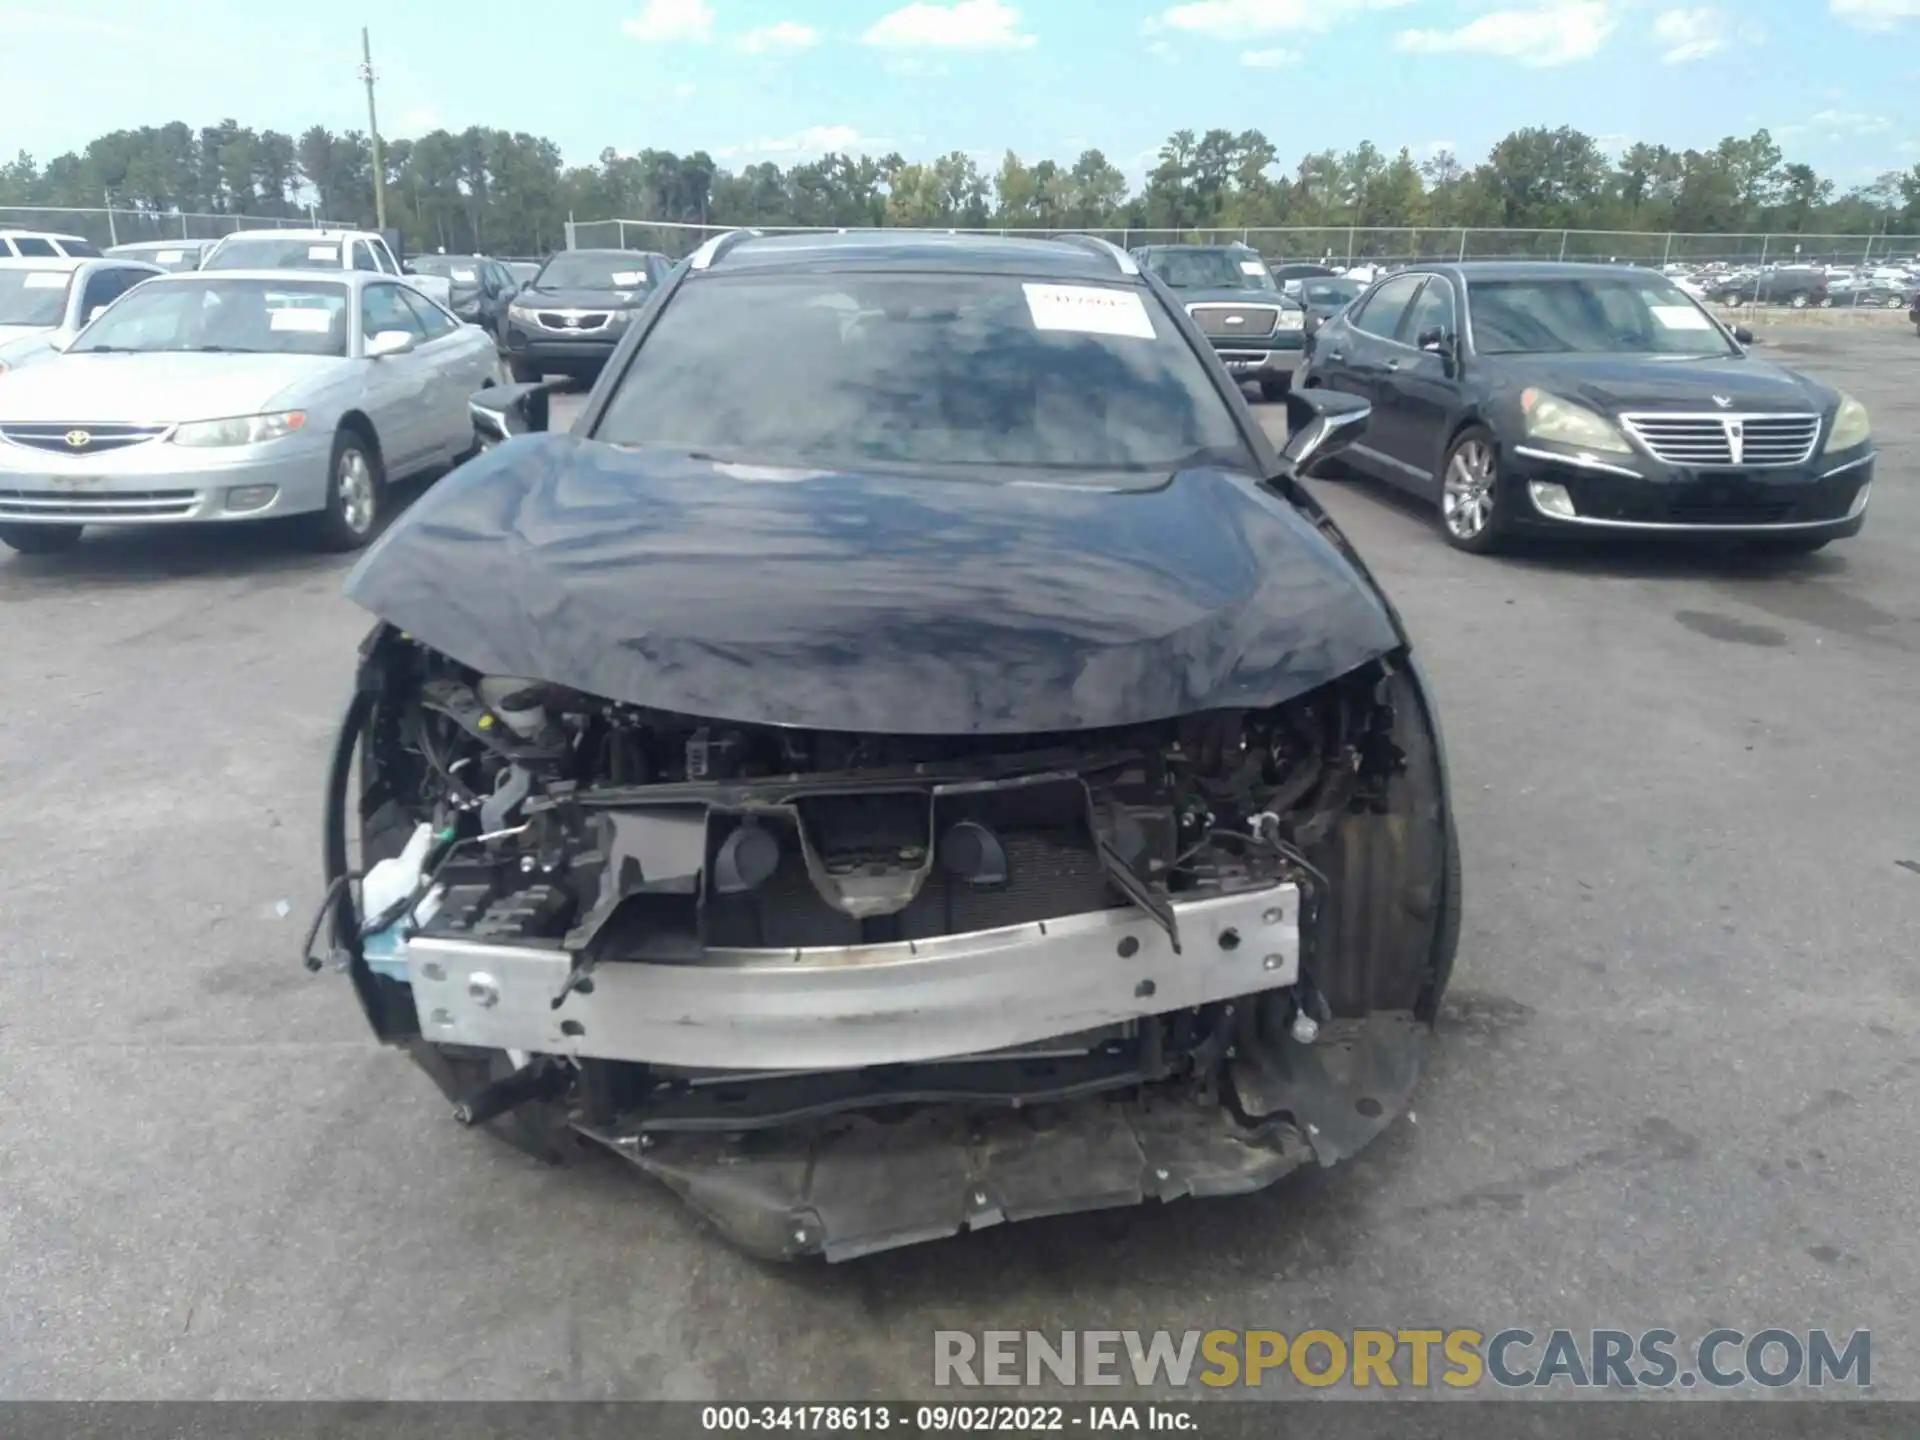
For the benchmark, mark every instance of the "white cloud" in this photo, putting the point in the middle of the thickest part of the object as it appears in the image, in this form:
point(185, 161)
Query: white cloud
point(665, 20)
point(1875, 14)
point(420, 121)
point(786, 35)
point(1238, 19)
point(1685, 35)
point(1160, 49)
point(1557, 33)
point(814, 141)
point(967, 25)
point(1427, 149)
point(1271, 59)
point(1850, 122)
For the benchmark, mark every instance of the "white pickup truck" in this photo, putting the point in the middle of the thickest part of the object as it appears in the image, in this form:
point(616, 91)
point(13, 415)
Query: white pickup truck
point(317, 250)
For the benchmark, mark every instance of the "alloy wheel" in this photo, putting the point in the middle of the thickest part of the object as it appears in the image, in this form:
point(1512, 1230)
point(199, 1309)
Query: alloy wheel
point(1467, 499)
point(357, 500)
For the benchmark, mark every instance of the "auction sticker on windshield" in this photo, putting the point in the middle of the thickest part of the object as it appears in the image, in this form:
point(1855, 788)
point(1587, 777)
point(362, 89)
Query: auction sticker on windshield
point(627, 277)
point(1252, 267)
point(1088, 310)
point(1681, 317)
point(310, 322)
point(323, 252)
point(45, 280)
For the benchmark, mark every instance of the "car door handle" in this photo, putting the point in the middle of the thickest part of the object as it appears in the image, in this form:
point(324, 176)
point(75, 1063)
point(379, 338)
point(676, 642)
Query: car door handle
point(1336, 354)
point(1393, 364)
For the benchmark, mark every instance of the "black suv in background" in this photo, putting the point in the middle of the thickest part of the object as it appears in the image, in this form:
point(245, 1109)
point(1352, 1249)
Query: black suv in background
point(570, 316)
point(1232, 296)
point(1799, 286)
point(479, 287)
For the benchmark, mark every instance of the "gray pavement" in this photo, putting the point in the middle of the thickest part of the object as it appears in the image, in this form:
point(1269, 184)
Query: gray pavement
point(1674, 1086)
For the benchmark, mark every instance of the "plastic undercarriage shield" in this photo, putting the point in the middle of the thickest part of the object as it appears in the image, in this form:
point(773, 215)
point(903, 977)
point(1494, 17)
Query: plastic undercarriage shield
point(856, 1185)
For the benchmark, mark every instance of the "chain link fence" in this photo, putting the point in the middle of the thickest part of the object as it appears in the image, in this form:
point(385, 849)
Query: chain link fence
point(1348, 246)
point(117, 226)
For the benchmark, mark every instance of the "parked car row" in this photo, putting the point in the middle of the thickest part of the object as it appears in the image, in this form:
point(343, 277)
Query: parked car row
point(269, 373)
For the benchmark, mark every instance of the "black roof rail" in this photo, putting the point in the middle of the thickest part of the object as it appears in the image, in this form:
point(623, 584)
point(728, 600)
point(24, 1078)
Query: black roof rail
point(1094, 244)
point(713, 249)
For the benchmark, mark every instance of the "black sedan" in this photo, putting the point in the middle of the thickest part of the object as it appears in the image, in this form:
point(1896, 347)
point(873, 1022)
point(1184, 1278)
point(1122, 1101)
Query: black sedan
point(479, 288)
point(912, 758)
point(1581, 398)
point(572, 314)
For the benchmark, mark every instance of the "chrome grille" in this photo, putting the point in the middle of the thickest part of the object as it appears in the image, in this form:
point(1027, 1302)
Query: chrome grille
point(78, 438)
point(1746, 440)
point(572, 321)
point(1235, 322)
point(118, 505)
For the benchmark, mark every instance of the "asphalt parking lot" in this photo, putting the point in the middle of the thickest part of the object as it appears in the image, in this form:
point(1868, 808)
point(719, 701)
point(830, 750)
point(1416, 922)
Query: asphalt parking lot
point(1674, 1086)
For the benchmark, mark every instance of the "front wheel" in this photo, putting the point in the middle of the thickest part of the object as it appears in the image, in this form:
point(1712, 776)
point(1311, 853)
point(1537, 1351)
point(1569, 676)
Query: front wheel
point(40, 539)
point(1471, 515)
point(354, 490)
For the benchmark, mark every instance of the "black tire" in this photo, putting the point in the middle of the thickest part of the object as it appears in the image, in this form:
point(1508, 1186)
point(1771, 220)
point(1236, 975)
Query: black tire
point(1487, 500)
point(356, 495)
point(40, 539)
point(1784, 545)
point(524, 372)
point(1274, 391)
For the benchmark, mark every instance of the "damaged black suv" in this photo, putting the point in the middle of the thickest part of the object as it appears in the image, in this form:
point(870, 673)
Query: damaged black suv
point(913, 757)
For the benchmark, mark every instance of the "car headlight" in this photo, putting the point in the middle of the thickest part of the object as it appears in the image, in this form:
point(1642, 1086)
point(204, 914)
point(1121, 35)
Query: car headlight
point(241, 429)
point(1562, 422)
point(1851, 426)
point(522, 314)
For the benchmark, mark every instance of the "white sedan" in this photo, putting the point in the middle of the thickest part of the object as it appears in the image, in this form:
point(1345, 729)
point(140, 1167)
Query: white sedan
point(44, 303)
point(235, 396)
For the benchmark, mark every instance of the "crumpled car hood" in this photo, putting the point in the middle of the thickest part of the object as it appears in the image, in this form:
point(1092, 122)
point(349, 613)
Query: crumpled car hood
point(871, 602)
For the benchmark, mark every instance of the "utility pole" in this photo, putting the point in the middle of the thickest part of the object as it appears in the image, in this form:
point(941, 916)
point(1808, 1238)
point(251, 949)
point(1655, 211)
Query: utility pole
point(373, 126)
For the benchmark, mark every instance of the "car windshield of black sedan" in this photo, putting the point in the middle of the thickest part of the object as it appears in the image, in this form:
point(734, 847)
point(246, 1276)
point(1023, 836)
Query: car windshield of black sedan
point(1211, 270)
point(592, 272)
point(219, 316)
point(33, 297)
point(1600, 316)
point(923, 370)
point(460, 270)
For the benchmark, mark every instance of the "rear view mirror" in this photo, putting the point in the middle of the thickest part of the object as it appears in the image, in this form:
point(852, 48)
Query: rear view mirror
point(1320, 422)
point(1434, 340)
point(95, 313)
point(508, 410)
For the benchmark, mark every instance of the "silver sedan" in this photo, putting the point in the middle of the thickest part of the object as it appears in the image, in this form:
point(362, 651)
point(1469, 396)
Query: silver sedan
point(45, 303)
point(234, 396)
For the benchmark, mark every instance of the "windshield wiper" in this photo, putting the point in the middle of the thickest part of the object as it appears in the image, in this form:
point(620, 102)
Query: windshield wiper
point(227, 350)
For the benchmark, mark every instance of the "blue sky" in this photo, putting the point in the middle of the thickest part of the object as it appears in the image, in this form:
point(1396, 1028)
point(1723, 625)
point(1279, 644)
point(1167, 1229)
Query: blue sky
point(748, 80)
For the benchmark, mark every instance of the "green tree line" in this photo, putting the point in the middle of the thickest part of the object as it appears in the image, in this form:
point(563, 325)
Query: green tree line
point(509, 192)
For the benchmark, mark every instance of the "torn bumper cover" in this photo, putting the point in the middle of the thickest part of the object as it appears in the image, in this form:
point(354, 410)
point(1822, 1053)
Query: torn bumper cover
point(859, 1186)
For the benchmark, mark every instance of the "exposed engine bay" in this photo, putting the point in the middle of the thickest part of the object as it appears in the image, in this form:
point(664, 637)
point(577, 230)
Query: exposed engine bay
point(671, 934)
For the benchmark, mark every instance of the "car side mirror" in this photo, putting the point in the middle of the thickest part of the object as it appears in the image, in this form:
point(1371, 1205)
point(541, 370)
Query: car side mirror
point(1433, 341)
point(95, 313)
point(1320, 422)
point(1743, 335)
point(504, 411)
point(1314, 321)
point(390, 342)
